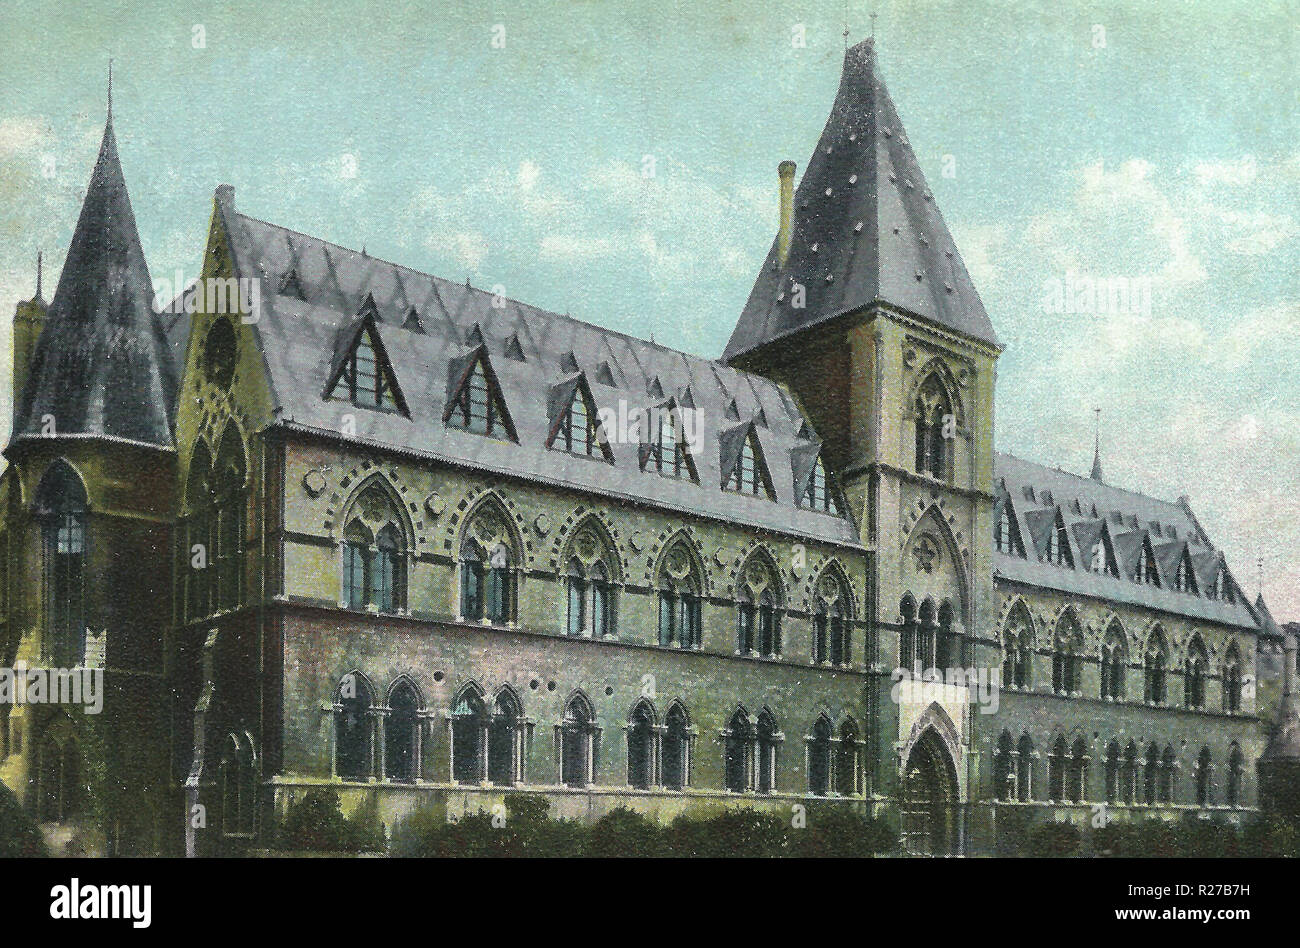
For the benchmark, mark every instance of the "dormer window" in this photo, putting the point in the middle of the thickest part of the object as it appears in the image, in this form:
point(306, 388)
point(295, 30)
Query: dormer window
point(1058, 545)
point(579, 430)
point(749, 472)
point(818, 495)
point(666, 451)
point(366, 377)
point(1103, 556)
point(1184, 578)
point(477, 406)
point(1146, 571)
point(1006, 536)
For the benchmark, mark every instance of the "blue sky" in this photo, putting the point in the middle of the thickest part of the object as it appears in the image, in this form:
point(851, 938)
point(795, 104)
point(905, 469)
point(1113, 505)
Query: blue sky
point(1157, 143)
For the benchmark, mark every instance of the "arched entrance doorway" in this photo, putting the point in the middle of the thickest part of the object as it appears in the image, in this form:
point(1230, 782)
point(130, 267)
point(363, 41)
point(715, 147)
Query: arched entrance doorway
point(929, 794)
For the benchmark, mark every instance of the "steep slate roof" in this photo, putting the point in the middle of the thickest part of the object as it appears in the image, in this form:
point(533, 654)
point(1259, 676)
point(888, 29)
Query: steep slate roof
point(103, 364)
point(1038, 492)
point(298, 339)
point(866, 228)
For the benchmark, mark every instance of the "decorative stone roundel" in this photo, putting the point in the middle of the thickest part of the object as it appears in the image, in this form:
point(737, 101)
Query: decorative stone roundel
point(542, 524)
point(313, 482)
point(586, 548)
point(434, 504)
point(637, 542)
point(676, 564)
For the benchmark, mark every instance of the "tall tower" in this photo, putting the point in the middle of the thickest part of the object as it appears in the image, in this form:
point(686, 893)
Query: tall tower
point(87, 529)
point(873, 323)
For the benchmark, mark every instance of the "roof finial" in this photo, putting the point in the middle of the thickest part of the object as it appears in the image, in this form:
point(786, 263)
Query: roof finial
point(38, 275)
point(110, 91)
point(874, 14)
point(846, 25)
point(1096, 449)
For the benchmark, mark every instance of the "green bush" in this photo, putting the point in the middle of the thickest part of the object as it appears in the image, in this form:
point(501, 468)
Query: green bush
point(1271, 837)
point(19, 834)
point(316, 823)
point(734, 832)
point(838, 831)
point(1054, 839)
point(624, 832)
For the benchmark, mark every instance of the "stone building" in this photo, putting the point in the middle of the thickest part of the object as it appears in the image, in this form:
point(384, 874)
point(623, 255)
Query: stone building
point(433, 547)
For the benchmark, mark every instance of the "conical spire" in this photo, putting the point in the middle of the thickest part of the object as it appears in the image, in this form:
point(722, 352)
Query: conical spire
point(101, 365)
point(865, 229)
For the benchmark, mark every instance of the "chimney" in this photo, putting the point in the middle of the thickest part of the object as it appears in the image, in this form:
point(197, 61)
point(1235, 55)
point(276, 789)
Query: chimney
point(29, 318)
point(786, 172)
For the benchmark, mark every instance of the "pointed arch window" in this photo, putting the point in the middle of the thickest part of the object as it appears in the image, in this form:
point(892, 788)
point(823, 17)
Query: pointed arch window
point(1067, 657)
point(366, 377)
point(848, 769)
point(374, 553)
point(1129, 774)
point(679, 599)
point(738, 753)
point(1017, 649)
point(907, 633)
point(1058, 761)
point(1004, 769)
point(1077, 778)
point(229, 488)
point(642, 747)
point(1204, 764)
point(819, 758)
point(61, 508)
point(758, 613)
point(1113, 766)
point(1151, 776)
point(935, 422)
point(1194, 675)
point(1025, 769)
point(1236, 769)
point(238, 778)
point(820, 493)
point(1156, 664)
point(477, 405)
point(1232, 681)
point(354, 742)
point(1167, 768)
point(469, 732)
point(578, 738)
point(769, 740)
point(749, 474)
point(591, 609)
point(665, 451)
point(1114, 664)
point(947, 646)
point(488, 569)
point(507, 733)
point(677, 741)
point(402, 734)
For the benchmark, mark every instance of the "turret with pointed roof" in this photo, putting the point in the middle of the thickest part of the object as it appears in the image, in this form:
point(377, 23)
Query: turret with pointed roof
point(101, 365)
point(866, 230)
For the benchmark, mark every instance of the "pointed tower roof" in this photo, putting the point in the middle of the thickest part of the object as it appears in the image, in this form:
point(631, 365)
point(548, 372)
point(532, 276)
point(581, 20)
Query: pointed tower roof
point(865, 229)
point(102, 366)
